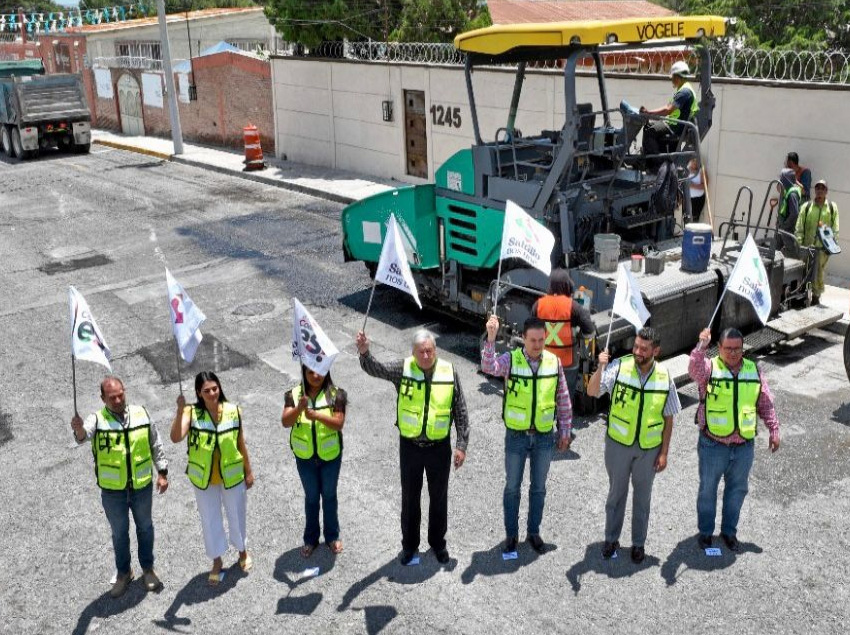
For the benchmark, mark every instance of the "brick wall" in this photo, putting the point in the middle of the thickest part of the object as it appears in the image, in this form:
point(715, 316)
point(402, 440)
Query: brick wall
point(233, 91)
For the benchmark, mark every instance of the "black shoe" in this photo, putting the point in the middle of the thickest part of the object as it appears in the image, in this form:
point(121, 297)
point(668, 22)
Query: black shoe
point(609, 549)
point(704, 541)
point(510, 545)
point(536, 543)
point(638, 554)
point(442, 555)
point(406, 557)
point(731, 542)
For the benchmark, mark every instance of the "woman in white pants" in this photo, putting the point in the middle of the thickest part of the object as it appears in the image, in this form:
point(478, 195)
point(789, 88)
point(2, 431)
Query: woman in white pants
point(218, 467)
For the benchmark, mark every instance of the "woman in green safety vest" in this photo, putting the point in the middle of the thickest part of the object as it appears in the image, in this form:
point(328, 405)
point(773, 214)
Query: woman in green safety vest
point(218, 467)
point(315, 412)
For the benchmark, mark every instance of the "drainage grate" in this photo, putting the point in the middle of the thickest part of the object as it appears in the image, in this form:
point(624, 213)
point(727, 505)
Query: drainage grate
point(75, 264)
point(5, 428)
point(212, 355)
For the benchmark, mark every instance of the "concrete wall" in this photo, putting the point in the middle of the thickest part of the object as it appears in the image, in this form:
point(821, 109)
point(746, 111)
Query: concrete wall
point(205, 31)
point(329, 114)
point(233, 91)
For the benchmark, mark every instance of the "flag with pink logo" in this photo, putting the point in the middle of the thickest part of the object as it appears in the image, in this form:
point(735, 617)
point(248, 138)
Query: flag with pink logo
point(186, 319)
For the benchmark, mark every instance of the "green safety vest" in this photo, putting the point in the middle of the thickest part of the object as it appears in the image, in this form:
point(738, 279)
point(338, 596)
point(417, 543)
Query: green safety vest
point(531, 397)
point(783, 209)
point(637, 410)
point(122, 454)
point(730, 400)
point(307, 435)
point(425, 404)
point(676, 114)
point(204, 436)
point(807, 232)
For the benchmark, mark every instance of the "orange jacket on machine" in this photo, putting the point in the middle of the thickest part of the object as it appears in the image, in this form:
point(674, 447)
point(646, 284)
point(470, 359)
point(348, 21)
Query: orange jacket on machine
point(557, 312)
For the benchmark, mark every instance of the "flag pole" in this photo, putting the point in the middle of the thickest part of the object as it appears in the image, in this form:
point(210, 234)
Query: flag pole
point(177, 359)
point(369, 306)
point(610, 326)
point(717, 308)
point(74, 382)
point(498, 279)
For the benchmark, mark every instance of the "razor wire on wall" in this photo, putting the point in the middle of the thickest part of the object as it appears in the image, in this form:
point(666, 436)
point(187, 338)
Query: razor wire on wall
point(818, 67)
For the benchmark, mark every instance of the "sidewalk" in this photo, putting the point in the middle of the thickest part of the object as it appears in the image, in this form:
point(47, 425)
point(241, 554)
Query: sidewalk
point(337, 185)
point(334, 185)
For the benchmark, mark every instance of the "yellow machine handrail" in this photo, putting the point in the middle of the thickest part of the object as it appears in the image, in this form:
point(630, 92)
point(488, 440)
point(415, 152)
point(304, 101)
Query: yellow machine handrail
point(499, 39)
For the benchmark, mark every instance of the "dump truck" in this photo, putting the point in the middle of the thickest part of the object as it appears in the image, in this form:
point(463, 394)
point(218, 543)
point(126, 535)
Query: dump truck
point(587, 179)
point(39, 111)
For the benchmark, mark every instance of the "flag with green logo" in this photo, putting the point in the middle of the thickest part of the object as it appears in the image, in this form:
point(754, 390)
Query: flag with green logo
point(749, 279)
point(525, 238)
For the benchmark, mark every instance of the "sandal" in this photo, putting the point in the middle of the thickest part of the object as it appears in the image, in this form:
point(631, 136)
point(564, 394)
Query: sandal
point(335, 546)
point(215, 577)
point(307, 550)
point(246, 563)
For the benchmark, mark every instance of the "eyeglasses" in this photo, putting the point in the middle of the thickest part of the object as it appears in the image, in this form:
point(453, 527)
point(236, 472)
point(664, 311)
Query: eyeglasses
point(731, 349)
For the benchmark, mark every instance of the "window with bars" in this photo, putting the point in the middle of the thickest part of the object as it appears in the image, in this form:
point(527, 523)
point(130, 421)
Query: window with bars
point(249, 45)
point(148, 50)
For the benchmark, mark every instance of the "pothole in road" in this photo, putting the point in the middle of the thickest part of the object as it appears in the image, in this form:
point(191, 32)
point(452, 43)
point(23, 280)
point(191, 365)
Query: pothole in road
point(212, 355)
point(75, 264)
point(254, 309)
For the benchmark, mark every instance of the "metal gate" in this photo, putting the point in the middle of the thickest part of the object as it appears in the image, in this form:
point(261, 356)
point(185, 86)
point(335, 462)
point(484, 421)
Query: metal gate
point(130, 106)
point(415, 139)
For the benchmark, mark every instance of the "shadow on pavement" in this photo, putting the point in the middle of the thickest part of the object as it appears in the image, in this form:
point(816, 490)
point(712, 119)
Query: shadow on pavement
point(687, 555)
point(620, 567)
point(393, 571)
point(197, 591)
point(490, 563)
point(105, 606)
point(840, 415)
point(291, 569)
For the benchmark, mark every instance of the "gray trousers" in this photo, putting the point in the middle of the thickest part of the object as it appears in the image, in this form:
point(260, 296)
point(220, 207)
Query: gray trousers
point(623, 462)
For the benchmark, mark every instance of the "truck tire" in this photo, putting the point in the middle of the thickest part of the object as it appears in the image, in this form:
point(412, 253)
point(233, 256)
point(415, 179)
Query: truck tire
point(17, 147)
point(82, 148)
point(847, 352)
point(6, 140)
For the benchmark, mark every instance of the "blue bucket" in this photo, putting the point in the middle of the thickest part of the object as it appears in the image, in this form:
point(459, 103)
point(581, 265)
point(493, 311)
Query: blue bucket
point(696, 247)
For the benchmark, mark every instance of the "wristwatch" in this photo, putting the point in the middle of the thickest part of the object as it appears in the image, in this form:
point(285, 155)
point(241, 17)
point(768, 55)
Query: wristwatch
point(163, 472)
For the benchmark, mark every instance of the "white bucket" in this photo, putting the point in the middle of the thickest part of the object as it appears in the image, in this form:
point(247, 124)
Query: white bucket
point(606, 248)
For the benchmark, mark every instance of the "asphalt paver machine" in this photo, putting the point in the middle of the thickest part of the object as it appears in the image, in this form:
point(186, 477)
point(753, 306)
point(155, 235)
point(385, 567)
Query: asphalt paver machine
point(586, 178)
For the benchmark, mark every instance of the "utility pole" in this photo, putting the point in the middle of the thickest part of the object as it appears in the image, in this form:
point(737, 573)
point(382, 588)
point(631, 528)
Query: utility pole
point(176, 130)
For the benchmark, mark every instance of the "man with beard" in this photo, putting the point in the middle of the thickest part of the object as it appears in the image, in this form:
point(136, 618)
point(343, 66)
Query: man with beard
point(640, 424)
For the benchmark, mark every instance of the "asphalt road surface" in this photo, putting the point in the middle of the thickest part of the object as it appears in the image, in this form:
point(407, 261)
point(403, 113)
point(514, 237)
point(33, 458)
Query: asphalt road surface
point(108, 222)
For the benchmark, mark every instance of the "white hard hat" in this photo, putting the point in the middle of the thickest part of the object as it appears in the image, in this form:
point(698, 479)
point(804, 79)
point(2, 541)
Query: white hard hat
point(680, 68)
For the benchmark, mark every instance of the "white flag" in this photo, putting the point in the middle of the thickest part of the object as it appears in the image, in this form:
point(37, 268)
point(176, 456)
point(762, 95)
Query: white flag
point(86, 339)
point(628, 302)
point(523, 237)
point(749, 279)
point(393, 268)
point(310, 345)
point(186, 319)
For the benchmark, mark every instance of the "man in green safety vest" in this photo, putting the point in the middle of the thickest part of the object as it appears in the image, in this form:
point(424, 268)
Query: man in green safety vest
point(789, 208)
point(536, 408)
point(732, 394)
point(127, 449)
point(640, 423)
point(813, 215)
point(429, 399)
point(661, 135)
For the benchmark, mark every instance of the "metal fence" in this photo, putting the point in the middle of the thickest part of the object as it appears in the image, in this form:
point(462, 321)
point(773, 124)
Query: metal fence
point(817, 67)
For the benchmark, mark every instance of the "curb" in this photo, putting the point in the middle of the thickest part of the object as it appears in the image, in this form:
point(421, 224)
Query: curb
point(259, 178)
point(129, 148)
point(248, 176)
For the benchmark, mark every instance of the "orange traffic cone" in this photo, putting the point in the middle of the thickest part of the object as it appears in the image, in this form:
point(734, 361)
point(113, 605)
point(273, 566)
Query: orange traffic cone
point(253, 149)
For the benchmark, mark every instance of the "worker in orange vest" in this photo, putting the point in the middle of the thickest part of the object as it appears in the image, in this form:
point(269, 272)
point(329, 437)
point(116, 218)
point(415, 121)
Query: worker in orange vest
point(562, 314)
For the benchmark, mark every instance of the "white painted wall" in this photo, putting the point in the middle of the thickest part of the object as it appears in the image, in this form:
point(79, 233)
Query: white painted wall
point(329, 114)
point(207, 30)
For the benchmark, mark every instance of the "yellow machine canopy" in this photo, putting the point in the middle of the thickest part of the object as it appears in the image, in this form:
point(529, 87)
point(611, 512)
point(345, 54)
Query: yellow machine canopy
point(506, 38)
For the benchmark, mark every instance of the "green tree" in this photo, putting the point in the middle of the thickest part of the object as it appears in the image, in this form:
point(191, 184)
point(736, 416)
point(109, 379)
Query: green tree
point(795, 24)
point(31, 6)
point(439, 20)
point(310, 22)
